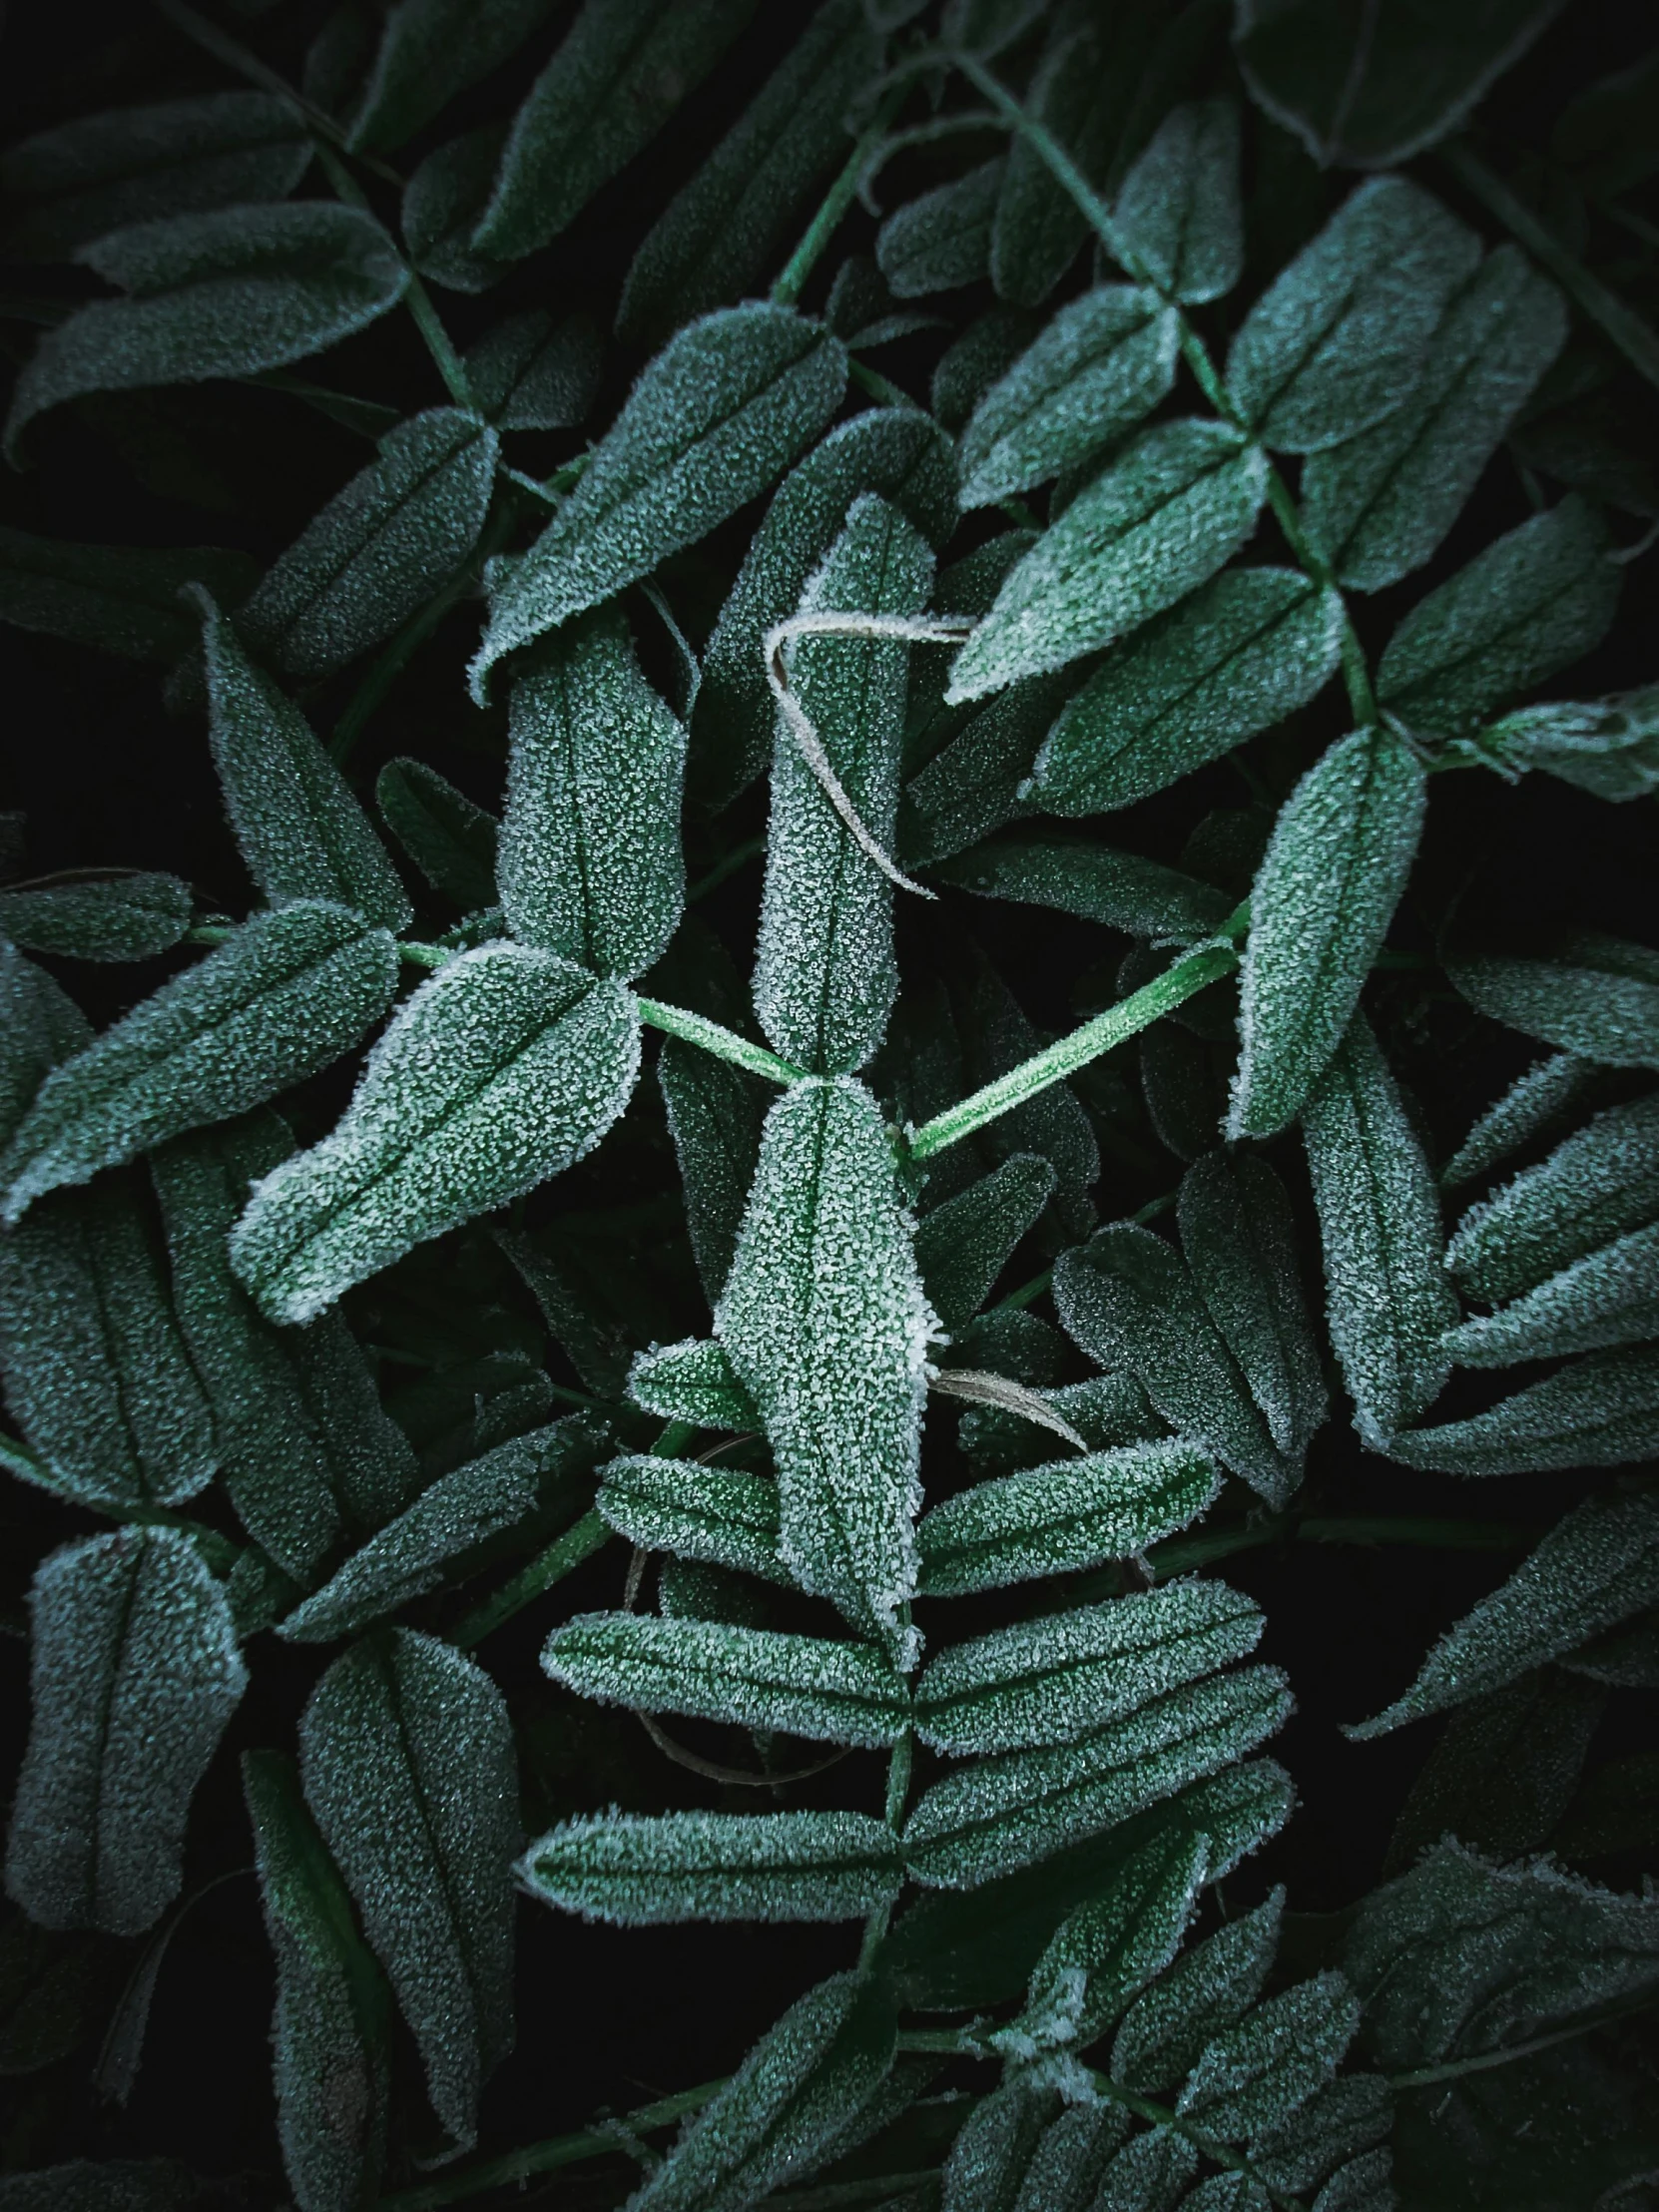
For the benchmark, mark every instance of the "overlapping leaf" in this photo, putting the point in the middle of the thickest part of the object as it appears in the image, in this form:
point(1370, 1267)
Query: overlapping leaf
point(449, 838)
point(1179, 210)
point(120, 598)
point(1598, 998)
point(716, 1514)
point(639, 1871)
point(115, 918)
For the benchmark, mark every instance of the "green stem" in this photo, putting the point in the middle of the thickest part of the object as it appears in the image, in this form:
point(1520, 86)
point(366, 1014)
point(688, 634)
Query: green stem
point(416, 297)
point(738, 857)
point(898, 1788)
point(1028, 1294)
point(724, 1044)
point(837, 200)
point(878, 387)
point(562, 1557)
point(1452, 2069)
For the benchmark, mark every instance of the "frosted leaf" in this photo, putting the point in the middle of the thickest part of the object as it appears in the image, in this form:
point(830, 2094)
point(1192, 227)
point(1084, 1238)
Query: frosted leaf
point(451, 1414)
point(1381, 504)
point(224, 293)
point(442, 201)
point(896, 452)
point(785, 2110)
point(722, 410)
point(1601, 1411)
point(1108, 1950)
point(714, 1112)
point(1127, 1299)
point(1206, 1991)
point(622, 69)
point(97, 1374)
point(135, 1673)
point(333, 2018)
point(1239, 1237)
point(590, 863)
point(1106, 1410)
point(1348, 2116)
point(1601, 1183)
point(716, 1514)
point(1609, 747)
point(1536, 600)
point(301, 828)
point(942, 240)
point(379, 549)
point(972, 784)
point(1531, 1105)
point(693, 1381)
point(1598, 999)
point(1099, 365)
point(120, 598)
point(753, 1676)
point(994, 2146)
point(1364, 2185)
point(40, 1026)
point(693, 1591)
point(1335, 870)
point(452, 840)
point(1227, 2192)
point(406, 1754)
point(1150, 2174)
point(1255, 2075)
point(825, 1320)
point(1387, 1296)
point(1019, 1808)
point(1071, 2155)
point(972, 362)
point(1336, 341)
point(120, 917)
point(739, 213)
point(639, 1872)
point(107, 2185)
point(1157, 523)
point(430, 50)
point(596, 1347)
point(1237, 656)
point(74, 182)
point(1180, 208)
point(963, 1244)
point(309, 1458)
point(502, 1069)
point(824, 974)
point(1142, 898)
point(529, 372)
point(1596, 1567)
point(447, 1532)
point(1610, 1296)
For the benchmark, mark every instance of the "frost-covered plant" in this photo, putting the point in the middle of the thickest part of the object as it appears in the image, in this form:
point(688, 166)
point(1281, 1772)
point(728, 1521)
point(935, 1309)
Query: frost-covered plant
point(1219, 442)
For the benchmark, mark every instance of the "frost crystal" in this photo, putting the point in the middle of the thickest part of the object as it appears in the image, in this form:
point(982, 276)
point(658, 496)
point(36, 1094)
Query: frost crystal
point(714, 1513)
point(1599, 1184)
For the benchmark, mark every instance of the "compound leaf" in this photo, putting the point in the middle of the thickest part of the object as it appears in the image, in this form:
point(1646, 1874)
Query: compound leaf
point(1179, 210)
point(1206, 1991)
point(120, 598)
point(117, 917)
point(716, 1514)
point(448, 838)
point(640, 1871)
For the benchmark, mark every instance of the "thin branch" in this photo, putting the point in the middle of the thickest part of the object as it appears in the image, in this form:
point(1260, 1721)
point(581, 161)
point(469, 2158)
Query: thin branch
point(837, 200)
point(724, 1044)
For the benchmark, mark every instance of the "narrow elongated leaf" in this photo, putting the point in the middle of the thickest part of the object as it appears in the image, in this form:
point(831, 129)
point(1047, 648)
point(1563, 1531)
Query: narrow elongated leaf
point(1349, 2115)
point(825, 1320)
point(1505, 1768)
point(754, 1677)
point(693, 1381)
point(963, 1244)
point(590, 863)
point(1256, 2076)
point(429, 51)
point(531, 373)
point(332, 2021)
point(1598, 999)
point(714, 1112)
point(1336, 341)
point(118, 918)
point(1337, 867)
point(1537, 600)
point(406, 1755)
point(379, 549)
point(1156, 523)
point(450, 839)
point(697, 1512)
point(504, 1068)
point(1051, 1680)
point(301, 828)
point(1596, 1186)
point(40, 1026)
point(1103, 362)
point(1599, 1412)
point(1150, 2174)
point(826, 975)
point(595, 1347)
point(1610, 1296)
point(1531, 1107)
point(135, 1674)
point(724, 409)
point(1387, 1297)
point(639, 1872)
point(1206, 1992)
point(1237, 656)
point(1121, 889)
point(996, 2145)
point(120, 598)
point(1606, 746)
point(442, 202)
point(286, 995)
point(1381, 505)
point(942, 241)
point(218, 294)
point(1067, 1514)
point(1181, 208)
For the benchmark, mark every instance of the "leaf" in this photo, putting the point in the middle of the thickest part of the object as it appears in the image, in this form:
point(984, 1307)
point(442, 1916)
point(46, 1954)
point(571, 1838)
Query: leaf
point(971, 785)
point(590, 863)
point(1128, 1299)
point(1157, 523)
point(442, 202)
point(118, 918)
point(754, 1677)
point(108, 2185)
point(777, 2117)
point(942, 241)
point(1595, 1568)
point(224, 294)
point(1592, 1189)
point(825, 1320)
point(120, 598)
point(1534, 1103)
point(1235, 658)
point(505, 1067)
point(714, 1112)
point(1253, 2077)
point(1609, 747)
point(725, 408)
point(529, 372)
point(640, 1871)
point(897, 452)
point(1536, 600)
point(1598, 1000)
point(595, 1347)
point(1335, 871)
point(135, 1673)
point(997, 2144)
point(450, 839)
point(697, 1512)
point(1180, 208)
point(1608, 1298)
point(1615, 1810)
point(1387, 1297)
point(300, 825)
point(738, 213)
point(963, 1244)
point(379, 549)
point(286, 995)
point(1120, 889)
point(693, 1381)
point(332, 2017)
point(1503, 1769)
point(407, 1760)
point(70, 185)
point(1099, 365)
point(1020, 1808)
point(973, 361)
point(1150, 2174)
point(430, 50)
point(1064, 1515)
point(1206, 1991)
point(1351, 2114)
point(1336, 341)
point(1599, 1412)
point(1381, 504)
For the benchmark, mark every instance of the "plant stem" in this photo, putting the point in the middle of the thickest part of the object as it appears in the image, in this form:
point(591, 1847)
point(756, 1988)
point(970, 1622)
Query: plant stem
point(1425, 2077)
point(724, 1044)
point(840, 195)
point(898, 1788)
point(878, 387)
point(562, 1557)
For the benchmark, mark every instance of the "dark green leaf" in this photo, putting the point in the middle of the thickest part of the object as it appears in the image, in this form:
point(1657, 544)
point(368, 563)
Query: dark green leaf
point(1179, 210)
point(942, 241)
point(697, 1512)
point(1598, 1411)
point(1253, 2077)
point(995, 2145)
point(693, 1381)
point(1142, 898)
point(1349, 2115)
point(1534, 1103)
point(120, 598)
point(449, 838)
point(1206, 1991)
point(1505, 1768)
point(1596, 1186)
point(429, 51)
point(963, 1244)
point(1150, 2174)
point(442, 202)
point(115, 918)
point(716, 1867)
point(1609, 747)
point(1598, 999)
point(714, 1112)
point(973, 784)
